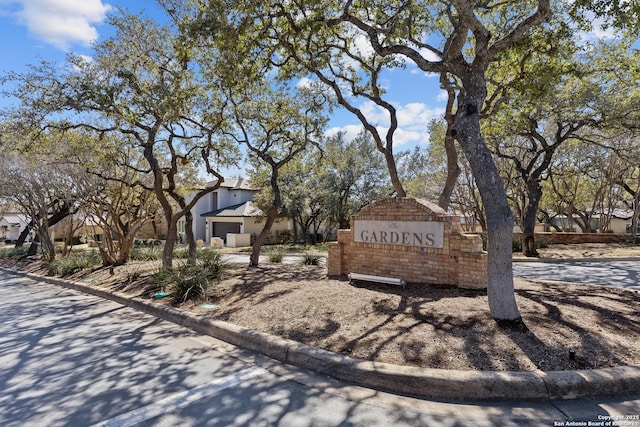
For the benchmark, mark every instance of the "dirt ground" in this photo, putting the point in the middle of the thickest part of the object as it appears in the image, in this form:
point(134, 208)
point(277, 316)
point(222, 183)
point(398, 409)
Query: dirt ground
point(425, 326)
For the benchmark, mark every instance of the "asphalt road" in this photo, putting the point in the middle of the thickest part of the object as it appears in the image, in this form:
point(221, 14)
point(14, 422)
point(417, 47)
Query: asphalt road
point(618, 274)
point(71, 359)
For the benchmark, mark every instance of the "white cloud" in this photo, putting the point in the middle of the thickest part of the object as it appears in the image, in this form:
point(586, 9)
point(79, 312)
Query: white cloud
point(361, 45)
point(85, 61)
point(405, 136)
point(413, 119)
point(61, 23)
point(304, 82)
point(374, 113)
point(416, 113)
point(86, 58)
point(600, 33)
point(351, 131)
point(598, 30)
point(443, 95)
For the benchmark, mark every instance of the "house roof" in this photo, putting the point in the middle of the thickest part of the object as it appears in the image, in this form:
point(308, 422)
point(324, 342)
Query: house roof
point(618, 213)
point(246, 209)
point(235, 184)
point(622, 213)
point(15, 219)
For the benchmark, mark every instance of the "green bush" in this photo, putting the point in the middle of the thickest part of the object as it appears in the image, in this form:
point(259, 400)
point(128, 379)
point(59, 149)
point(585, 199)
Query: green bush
point(147, 242)
point(151, 253)
point(162, 276)
point(188, 282)
point(73, 263)
point(10, 252)
point(276, 253)
point(516, 245)
point(181, 253)
point(210, 257)
point(191, 282)
point(201, 252)
point(310, 259)
point(542, 244)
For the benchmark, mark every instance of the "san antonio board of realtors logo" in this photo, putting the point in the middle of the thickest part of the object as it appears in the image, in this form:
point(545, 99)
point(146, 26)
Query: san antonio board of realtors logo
point(426, 234)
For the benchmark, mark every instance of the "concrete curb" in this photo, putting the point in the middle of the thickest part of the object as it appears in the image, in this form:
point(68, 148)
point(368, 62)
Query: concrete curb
point(407, 380)
point(575, 260)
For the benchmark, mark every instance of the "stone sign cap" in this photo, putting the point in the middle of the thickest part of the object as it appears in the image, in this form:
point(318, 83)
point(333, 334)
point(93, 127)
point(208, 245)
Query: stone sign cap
point(421, 205)
point(435, 209)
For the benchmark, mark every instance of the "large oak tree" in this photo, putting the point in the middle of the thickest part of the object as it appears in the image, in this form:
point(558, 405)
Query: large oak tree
point(458, 38)
point(143, 87)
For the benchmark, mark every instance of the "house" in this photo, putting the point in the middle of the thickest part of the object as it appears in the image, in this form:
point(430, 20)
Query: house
point(11, 225)
point(617, 221)
point(228, 215)
point(88, 228)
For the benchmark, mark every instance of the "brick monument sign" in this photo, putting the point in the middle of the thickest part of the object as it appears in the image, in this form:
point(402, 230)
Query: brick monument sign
point(409, 239)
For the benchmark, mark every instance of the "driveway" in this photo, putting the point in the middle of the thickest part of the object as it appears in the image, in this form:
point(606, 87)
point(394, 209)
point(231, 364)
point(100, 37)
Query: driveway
point(615, 274)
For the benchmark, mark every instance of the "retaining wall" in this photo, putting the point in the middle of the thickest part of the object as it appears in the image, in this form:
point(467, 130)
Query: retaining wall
point(575, 238)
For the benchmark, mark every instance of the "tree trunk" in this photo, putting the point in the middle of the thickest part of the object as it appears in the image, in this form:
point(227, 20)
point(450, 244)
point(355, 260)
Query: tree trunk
point(295, 229)
point(254, 259)
point(126, 243)
point(272, 215)
point(48, 247)
point(191, 239)
point(33, 249)
point(55, 218)
point(169, 245)
point(534, 193)
point(23, 235)
point(636, 214)
point(393, 173)
point(500, 289)
point(453, 171)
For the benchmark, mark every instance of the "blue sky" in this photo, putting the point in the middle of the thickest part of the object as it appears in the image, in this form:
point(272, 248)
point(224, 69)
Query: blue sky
point(31, 30)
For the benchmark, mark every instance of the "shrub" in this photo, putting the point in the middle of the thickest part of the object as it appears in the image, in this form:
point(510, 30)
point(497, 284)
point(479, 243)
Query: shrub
point(201, 253)
point(542, 243)
point(182, 253)
point(151, 253)
point(73, 263)
point(188, 282)
point(210, 257)
point(162, 276)
point(310, 259)
point(276, 253)
point(516, 245)
point(147, 242)
point(191, 282)
point(9, 252)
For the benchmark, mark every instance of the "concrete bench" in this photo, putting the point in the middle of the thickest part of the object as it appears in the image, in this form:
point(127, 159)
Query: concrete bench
point(377, 279)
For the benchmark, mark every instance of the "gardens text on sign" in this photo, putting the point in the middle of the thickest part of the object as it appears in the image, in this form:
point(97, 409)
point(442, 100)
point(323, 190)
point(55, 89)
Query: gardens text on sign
point(427, 234)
